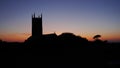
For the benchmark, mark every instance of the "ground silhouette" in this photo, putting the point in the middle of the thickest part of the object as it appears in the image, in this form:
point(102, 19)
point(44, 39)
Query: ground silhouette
point(70, 47)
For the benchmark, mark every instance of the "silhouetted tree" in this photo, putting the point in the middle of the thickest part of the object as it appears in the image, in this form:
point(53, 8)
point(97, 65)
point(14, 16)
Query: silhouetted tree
point(97, 40)
point(96, 37)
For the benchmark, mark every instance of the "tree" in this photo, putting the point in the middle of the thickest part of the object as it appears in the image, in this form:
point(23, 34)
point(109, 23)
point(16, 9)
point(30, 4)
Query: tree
point(96, 37)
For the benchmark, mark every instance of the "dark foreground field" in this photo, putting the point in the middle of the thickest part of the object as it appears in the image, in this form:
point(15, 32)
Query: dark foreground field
point(20, 55)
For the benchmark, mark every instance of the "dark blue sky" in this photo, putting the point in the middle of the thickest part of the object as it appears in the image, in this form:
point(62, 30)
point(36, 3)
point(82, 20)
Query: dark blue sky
point(82, 17)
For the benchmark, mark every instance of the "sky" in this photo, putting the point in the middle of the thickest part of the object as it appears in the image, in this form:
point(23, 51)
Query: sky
point(84, 18)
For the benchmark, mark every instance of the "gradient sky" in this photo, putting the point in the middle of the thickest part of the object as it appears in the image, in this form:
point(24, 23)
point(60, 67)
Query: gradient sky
point(85, 18)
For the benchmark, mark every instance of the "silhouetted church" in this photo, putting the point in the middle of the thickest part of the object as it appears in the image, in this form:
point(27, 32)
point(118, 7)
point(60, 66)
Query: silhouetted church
point(37, 31)
point(38, 37)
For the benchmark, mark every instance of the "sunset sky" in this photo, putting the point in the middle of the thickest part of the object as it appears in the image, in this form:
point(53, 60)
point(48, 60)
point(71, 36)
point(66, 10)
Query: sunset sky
point(85, 18)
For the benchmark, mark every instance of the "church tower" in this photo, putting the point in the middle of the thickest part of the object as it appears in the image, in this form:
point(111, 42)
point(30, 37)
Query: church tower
point(37, 30)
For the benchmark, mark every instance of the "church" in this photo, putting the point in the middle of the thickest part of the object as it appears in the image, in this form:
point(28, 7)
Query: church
point(37, 36)
point(37, 31)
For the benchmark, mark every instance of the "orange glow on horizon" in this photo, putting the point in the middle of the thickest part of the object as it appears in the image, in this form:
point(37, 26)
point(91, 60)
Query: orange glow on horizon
point(21, 37)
